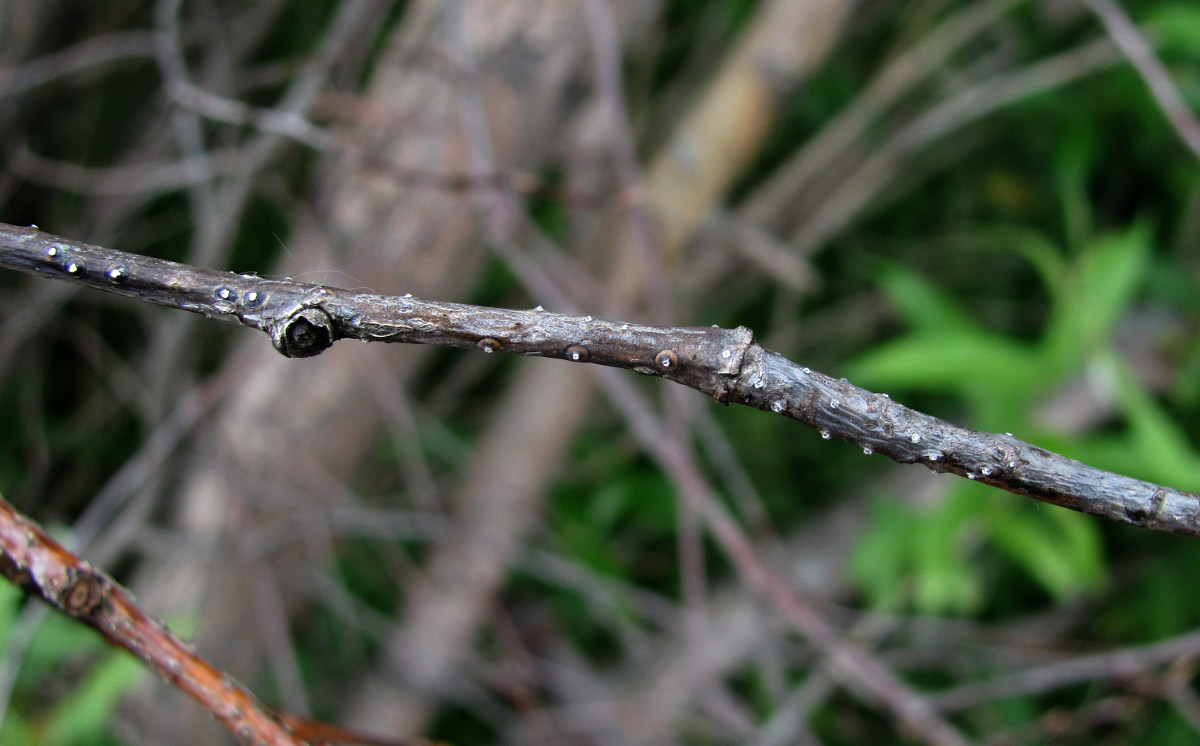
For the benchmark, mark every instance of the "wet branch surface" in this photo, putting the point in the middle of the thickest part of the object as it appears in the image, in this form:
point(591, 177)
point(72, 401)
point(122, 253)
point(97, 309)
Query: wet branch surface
point(303, 320)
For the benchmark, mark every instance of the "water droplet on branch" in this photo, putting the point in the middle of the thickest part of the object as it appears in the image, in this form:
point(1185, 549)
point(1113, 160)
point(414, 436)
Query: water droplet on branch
point(488, 344)
point(667, 360)
point(578, 353)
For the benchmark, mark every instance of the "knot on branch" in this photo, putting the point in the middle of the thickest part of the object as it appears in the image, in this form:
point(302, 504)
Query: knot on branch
point(305, 333)
point(83, 596)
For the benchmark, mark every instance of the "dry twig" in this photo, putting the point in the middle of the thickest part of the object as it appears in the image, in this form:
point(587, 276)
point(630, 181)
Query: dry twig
point(303, 320)
point(32, 560)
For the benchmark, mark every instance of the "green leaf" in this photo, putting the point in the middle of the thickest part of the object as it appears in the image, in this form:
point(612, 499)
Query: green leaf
point(1095, 294)
point(948, 579)
point(961, 361)
point(1175, 27)
point(920, 559)
point(1058, 548)
point(1160, 449)
point(921, 304)
point(881, 558)
point(83, 714)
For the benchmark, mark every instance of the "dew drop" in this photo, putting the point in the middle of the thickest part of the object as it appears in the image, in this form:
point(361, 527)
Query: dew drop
point(868, 451)
point(73, 268)
point(224, 293)
point(1009, 434)
point(970, 475)
point(806, 370)
point(834, 404)
point(825, 435)
point(934, 455)
point(915, 437)
point(666, 360)
point(117, 274)
point(539, 309)
point(407, 295)
point(51, 252)
point(778, 406)
point(578, 353)
point(488, 344)
point(986, 471)
point(252, 298)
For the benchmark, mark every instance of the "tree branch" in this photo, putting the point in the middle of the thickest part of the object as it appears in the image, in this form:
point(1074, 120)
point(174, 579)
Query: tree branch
point(303, 320)
point(33, 561)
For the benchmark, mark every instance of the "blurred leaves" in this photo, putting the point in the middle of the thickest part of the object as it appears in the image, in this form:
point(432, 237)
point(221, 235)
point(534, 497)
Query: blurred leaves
point(1018, 252)
point(57, 652)
point(1002, 381)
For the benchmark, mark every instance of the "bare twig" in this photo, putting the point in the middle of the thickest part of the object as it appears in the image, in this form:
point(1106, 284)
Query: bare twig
point(84, 56)
point(304, 320)
point(1124, 663)
point(1141, 55)
point(35, 562)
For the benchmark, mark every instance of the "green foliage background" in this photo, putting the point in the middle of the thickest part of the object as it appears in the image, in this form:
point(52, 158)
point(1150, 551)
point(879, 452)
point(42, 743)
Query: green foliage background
point(1050, 249)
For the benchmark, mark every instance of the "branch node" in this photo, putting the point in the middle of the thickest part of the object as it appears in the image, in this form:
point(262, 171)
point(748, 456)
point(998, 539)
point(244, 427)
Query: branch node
point(304, 333)
point(83, 595)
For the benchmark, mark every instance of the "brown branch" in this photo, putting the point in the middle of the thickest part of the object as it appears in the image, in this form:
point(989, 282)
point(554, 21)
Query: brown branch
point(1123, 663)
point(303, 320)
point(1129, 39)
point(32, 560)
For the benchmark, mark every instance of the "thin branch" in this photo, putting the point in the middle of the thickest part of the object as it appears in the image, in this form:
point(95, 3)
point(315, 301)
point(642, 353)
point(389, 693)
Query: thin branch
point(1129, 39)
point(32, 560)
point(82, 57)
point(303, 320)
point(1124, 663)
